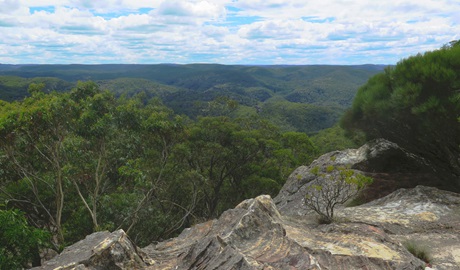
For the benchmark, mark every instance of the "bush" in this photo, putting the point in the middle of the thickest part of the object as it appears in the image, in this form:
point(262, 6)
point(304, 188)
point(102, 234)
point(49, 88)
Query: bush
point(19, 242)
point(334, 186)
point(416, 105)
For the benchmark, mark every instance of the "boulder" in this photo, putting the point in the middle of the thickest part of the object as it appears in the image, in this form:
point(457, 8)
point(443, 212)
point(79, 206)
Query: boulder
point(391, 167)
point(99, 251)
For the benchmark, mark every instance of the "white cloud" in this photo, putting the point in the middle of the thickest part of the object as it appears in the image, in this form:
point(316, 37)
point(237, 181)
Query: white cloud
point(201, 9)
point(225, 31)
point(286, 30)
point(9, 6)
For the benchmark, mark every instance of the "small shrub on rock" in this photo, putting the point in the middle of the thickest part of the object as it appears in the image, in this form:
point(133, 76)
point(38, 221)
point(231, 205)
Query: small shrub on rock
point(333, 186)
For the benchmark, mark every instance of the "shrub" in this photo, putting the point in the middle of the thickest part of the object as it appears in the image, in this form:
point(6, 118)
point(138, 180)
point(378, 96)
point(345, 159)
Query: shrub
point(333, 187)
point(19, 242)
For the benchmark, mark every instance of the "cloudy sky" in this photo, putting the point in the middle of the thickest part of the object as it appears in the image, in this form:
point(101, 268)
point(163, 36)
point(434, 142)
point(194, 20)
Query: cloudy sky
point(223, 31)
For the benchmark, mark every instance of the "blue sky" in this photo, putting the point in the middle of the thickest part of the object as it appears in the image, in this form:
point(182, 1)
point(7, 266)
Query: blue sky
point(223, 31)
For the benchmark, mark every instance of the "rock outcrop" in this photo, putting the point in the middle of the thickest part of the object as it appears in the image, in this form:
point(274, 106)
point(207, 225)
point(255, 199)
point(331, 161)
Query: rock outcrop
point(390, 166)
point(101, 251)
point(280, 233)
point(255, 236)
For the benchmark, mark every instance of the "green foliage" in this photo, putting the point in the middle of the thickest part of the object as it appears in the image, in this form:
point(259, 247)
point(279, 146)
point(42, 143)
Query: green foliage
point(336, 138)
point(15, 87)
point(315, 170)
point(19, 242)
point(131, 87)
point(333, 186)
point(302, 117)
point(225, 156)
point(315, 96)
point(85, 161)
point(419, 250)
point(415, 104)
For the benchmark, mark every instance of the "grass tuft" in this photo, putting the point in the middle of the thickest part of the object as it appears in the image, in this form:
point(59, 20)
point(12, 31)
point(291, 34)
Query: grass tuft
point(419, 250)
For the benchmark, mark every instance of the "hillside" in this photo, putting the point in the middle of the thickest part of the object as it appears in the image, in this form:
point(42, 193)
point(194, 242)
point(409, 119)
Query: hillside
point(298, 98)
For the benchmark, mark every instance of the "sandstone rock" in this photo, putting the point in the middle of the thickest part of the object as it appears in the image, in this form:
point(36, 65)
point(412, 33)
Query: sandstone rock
point(100, 250)
point(262, 233)
point(255, 236)
point(390, 166)
point(426, 215)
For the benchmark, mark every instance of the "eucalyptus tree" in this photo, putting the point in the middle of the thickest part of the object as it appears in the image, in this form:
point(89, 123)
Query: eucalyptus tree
point(33, 134)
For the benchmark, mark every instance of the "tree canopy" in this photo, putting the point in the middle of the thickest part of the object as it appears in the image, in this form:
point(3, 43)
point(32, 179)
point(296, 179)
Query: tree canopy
point(82, 161)
point(416, 104)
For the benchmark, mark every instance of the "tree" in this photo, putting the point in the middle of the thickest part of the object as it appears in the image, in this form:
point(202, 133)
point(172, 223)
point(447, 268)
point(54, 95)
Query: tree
point(19, 242)
point(160, 130)
point(84, 160)
point(416, 105)
point(227, 155)
point(333, 187)
point(58, 147)
point(91, 145)
point(33, 135)
point(335, 138)
point(217, 151)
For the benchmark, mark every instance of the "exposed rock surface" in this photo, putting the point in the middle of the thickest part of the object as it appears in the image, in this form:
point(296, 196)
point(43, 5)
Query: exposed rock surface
point(262, 233)
point(255, 236)
point(390, 166)
point(426, 215)
point(99, 251)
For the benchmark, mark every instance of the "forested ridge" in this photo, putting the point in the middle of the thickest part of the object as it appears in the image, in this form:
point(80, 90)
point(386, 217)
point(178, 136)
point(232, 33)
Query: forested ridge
point(277, 93)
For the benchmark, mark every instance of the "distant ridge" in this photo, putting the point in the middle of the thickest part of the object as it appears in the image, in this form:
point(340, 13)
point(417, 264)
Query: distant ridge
point(304, 98)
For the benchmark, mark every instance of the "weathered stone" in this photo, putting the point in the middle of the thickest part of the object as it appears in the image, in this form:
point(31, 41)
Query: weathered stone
point(251, 236)
point(425, 215)
point(390, 166)
point(98, 251)
point(262, 233)
point(255, 236)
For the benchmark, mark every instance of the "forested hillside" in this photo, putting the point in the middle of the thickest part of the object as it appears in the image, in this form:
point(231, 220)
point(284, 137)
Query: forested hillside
point(14, 87)
point(84, 160)
point(296, 98)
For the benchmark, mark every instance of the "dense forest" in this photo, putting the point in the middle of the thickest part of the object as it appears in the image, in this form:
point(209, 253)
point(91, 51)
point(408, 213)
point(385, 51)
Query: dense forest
point(295, 98)
point(154, 154)
point(82, 161)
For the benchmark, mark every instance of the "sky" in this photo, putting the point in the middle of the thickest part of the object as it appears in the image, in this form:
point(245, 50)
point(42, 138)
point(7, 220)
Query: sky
point(248, 32)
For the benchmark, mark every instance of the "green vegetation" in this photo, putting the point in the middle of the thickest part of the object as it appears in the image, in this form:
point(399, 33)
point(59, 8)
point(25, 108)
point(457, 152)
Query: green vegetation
point(335, 139)
point(84, 160)
point(416, 104)
point(295, 98)
point(167, 146)
point(14, 87)
point(333, 186)
point(164, 147)
point(419, 250)
point(19, 242)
